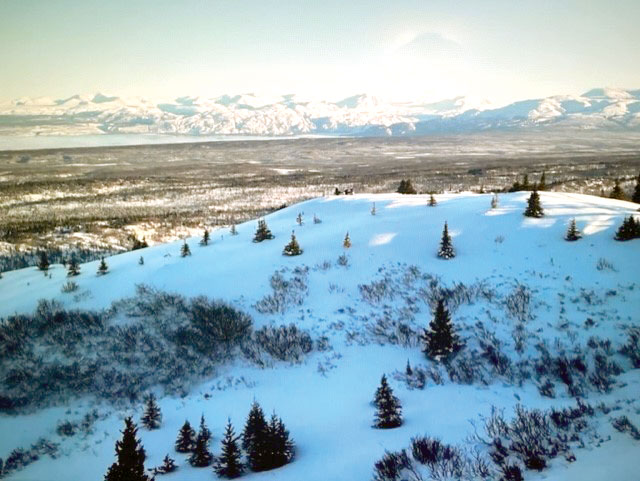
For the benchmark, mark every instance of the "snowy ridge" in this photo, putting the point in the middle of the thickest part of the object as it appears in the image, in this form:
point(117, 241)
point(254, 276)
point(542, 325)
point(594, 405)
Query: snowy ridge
point(249, 114)
point(325, 399)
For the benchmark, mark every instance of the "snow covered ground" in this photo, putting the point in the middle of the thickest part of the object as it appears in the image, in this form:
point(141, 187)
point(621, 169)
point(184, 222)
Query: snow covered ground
point(589, 288)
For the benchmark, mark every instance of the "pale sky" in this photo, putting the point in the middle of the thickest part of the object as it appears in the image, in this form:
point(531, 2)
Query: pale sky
point(395, 49)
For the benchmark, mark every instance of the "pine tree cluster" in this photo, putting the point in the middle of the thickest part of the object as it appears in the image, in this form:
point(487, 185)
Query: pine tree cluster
point(388, 408)
point(617, 192)
point(262, 232)
point(406, 187)
point(630, 229)
point(267, 444)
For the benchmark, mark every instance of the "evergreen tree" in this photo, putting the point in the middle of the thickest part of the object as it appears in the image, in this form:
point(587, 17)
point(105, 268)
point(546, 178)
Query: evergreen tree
point(534, 208)
point(316, 219)
point(43, 261)
point(229, 463)
point(406, 187)
point(254, 438)
point(446, 246)
point(373, 209)
point(525, 182)
point(432, 201)
point(138, 244)
point(263, 232)
point(299, 219)
point(141, 261)
point(292, 248)
point(205, 238)
point(201, 456)
point(573, 234)
point(168, 466)
point(440, 340)
point(617, 192)
point(184, 250)
point(408, 371)
point(636, 192)
point(542, 185)
point(130, 457)
point(389, 410)
point(630, 229)
point(280, 447)
point(103, 268)
point(233, 230)
point(186, 441)
point(494, 201)
point(346, 243)
point(74, 267)
point(152, 417)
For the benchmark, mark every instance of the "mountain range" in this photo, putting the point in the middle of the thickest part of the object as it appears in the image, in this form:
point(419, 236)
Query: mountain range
point(288, 115)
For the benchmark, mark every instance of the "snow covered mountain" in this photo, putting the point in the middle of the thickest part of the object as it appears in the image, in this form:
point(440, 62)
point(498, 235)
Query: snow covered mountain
point(287, 115)
point(542, 321)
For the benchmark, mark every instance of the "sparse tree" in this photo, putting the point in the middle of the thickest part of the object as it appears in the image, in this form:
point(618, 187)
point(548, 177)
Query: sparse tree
point(299, 219)
point(446, 250)
point(346, 243)
point(432, 201)
point(74, 267)
point(636, 192)
point(228, 464)
point(542, 185)
point(263, 232)
point(43, 261)
point(389, 411)
point(233, 230)
point(440, 340)
point(152, 417)
point(316, 219)
point(130, 457)
point(573, 234)
point(534, 208)
point(184, 250)
point(186, 441)
point(336, 191)
point(373, 209)
point(494, 201)
point(205, 238)
point(103, 268)
point(292, 248)
point(617, 192)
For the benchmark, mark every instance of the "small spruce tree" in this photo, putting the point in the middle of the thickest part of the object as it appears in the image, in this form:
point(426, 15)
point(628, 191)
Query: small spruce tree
point(534, 208)
point(440, 340)
point(494, 201)
point(254, 437)
point(229, 464)
point(617, 192)
point(280, 446)
point(184, 250)
point(636, 192)
point(103, 268)
point(408, 371)
point(168, 466)
point(201, 457)
point(152, 417)
point(316, 219)
point(389, 411)
point(186, 441)
point(262, 232)
point(141, 261)
point(74, 267)
point(432, 201)
point(446, 250)
point(130, 457)
point(299, 219)
point(373, 209)
point(292, 248)
point(542, 185)
point(346, 243)
point(233, 230)
point(573, 234)
point(43, 261)
point(205, 238)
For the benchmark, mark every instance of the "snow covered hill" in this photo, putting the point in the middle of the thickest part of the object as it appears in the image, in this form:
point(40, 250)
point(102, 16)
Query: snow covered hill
point(515, 283)
point(249, 114)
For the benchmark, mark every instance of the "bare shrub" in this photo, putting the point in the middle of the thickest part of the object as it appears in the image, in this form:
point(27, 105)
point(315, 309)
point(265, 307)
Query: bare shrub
point(68, 287)
point(285, 292)
point(285, 343)
point(518, 303)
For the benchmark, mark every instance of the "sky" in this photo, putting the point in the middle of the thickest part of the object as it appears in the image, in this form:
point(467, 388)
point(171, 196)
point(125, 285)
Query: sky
point(397, 50)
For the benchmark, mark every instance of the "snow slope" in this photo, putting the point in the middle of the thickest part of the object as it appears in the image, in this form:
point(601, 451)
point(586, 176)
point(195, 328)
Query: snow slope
point(325, 400)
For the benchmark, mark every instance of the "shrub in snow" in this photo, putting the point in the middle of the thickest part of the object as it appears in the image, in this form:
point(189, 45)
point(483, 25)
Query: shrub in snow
point(69, 287)
point(624, 425)
point(432, 201)
point(494, 201)
point(299, 220)
point(168, 466)
point(390, 467)
point(184, 250)
point(262, 232)
point(103, 268)
point(631, 348)
point(604, 265)
point(343, 260)
point(316, 220)
point(286, 343)
point(389, 411)
point(446, 250)
point(130, 457)
point(534, 208)
point(74, 267)
point(152, 417)
point(518, 303)
point(285, 292)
